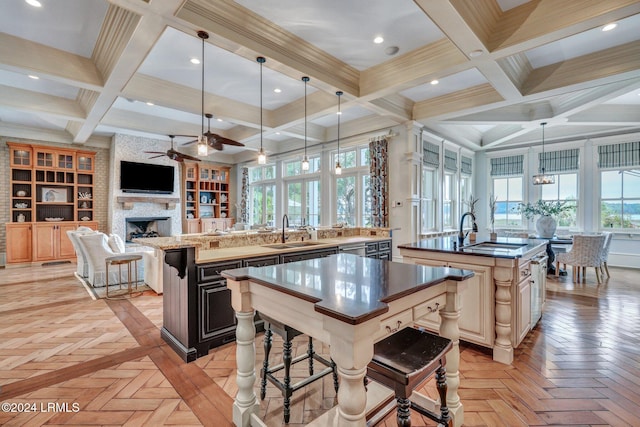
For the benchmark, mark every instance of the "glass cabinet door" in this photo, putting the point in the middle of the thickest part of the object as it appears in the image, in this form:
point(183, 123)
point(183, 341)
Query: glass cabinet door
point(20, 158)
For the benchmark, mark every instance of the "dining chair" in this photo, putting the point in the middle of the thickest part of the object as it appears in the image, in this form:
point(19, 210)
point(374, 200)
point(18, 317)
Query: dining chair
point(604, 256)
point(586, 251)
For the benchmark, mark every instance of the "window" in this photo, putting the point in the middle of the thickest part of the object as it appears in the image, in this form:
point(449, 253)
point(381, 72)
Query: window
point(352, 188)
point(620, 185)
point(428, 202)
point(302, 192)
point(507, 174)
point(449, 201)
point(509, 194)
point(565, 189)
point(620, 199)
point(262, 195)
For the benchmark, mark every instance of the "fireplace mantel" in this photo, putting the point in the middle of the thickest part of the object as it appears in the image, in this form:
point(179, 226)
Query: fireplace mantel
point(128, 202)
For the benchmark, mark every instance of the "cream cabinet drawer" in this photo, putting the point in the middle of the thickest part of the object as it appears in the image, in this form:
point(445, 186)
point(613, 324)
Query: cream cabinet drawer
point(430, 310)
point(394, 323)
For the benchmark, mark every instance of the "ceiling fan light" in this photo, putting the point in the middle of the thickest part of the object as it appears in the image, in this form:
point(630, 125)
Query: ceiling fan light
point(338, 169)
point(305, 164)
point(262, 157)
point(202, 146)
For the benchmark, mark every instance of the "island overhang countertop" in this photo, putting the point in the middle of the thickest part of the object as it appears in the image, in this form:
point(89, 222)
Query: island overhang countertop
point(348, 287)
point(502, 247)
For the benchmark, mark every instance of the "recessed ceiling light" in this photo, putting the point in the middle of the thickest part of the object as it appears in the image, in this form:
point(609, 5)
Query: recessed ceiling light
point(277, 133)
point(149, 103)
point(194, 61)
point(277, 90)
point(434, 82)
point(220, 120)
point(378, 40)
point(31, 76)
point(609, 27)
point(34, 3)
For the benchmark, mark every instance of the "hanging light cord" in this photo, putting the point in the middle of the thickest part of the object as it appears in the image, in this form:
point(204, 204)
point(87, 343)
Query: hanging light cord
point(543, 158)
point(339, 93)
point(261, 61)
point(202, 94)
point(306, 79)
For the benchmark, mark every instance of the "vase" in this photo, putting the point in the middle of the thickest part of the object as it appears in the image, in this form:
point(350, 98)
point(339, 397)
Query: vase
point(546, 226)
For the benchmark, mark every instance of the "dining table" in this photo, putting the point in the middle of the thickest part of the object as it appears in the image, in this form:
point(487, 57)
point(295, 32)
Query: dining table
point(348, 302)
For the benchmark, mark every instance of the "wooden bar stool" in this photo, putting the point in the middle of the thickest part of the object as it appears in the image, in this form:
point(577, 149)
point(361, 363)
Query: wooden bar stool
point(403, 361)
point(266, 373)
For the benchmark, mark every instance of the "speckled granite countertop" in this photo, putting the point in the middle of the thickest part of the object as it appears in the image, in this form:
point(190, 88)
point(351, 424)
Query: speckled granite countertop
point(502, 247)
point(211, 247)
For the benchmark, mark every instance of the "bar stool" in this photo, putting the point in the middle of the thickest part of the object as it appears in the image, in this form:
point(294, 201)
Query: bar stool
point(266, 373)
point(128, 260)
point(403, 361)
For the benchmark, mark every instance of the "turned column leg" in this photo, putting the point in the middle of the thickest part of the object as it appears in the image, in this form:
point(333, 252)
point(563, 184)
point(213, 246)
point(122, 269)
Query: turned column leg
point(502, 349)
point(310, 354)
point(286, 358)
point(403, 414)
point(449, 329)
point(441, 385)
point(246, 402)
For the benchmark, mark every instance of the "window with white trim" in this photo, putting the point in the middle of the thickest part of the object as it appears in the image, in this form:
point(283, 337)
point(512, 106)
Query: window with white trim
point(620, 186)
point(262, 195)
point(302, 192)
point(507, 177)
point(352, 187)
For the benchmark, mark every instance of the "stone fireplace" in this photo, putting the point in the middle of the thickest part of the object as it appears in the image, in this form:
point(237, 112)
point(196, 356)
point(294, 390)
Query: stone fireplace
point(147, 227)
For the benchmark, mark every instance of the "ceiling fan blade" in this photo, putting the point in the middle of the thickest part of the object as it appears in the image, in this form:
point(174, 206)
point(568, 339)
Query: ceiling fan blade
point(159, 155)
point(215, 144)
point(214, 138)
point(190, 142)
point(179, 157)
point(188, 157)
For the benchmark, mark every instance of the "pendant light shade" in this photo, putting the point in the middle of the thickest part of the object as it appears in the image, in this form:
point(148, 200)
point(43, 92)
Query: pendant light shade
point(338, 169)
point(542, 178)
point(262, 156)
point(203, 148)
point(305, 160)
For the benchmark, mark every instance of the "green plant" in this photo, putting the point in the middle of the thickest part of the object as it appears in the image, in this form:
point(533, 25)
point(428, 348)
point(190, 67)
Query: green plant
point(543, 208)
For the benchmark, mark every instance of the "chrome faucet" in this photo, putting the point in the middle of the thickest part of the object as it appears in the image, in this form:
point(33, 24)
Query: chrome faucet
point(285, 219)
point(461, 233)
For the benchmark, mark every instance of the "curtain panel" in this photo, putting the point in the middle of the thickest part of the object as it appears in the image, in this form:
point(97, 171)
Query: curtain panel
point(505, 166)
point(379, 170)
point(243, 212)
point(559, 161)
point(619, 155)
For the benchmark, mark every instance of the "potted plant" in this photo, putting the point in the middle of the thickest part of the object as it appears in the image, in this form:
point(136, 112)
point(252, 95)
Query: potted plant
point(546, 211)
point(471, 204)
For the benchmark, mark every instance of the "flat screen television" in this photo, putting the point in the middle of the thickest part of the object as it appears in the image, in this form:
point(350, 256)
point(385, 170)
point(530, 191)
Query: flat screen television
point(146, 178)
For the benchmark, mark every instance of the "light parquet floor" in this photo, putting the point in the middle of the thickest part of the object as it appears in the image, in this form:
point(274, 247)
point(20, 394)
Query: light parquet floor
point(104, 363)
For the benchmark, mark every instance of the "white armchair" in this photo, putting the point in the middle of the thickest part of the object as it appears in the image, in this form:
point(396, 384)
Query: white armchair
point(82, 267)
point(97, 248)
point(586, 251)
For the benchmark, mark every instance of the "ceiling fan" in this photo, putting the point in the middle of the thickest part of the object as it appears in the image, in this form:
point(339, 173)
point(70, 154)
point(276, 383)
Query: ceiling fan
point(214, 140)
point(173, 154)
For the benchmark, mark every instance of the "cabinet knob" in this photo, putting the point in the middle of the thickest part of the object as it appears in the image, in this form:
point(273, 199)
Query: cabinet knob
point(434, 309)
point(396, 329)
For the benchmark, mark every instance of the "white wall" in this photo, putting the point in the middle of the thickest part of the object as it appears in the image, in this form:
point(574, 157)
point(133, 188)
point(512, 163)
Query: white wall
point(132, 148)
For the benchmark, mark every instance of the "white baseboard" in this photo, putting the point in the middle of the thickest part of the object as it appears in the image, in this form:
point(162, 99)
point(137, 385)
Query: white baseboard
point(624, 260)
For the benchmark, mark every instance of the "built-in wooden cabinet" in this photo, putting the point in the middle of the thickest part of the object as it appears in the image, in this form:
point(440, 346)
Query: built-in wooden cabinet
point(51, 190)
point(205, 193)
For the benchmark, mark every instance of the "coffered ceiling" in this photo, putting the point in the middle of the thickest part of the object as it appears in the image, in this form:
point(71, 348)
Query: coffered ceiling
point(502, 66)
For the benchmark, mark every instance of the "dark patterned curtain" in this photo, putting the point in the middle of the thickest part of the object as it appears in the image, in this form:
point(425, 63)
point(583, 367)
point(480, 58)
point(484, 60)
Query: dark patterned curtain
point(379, 170)
point(243, 212)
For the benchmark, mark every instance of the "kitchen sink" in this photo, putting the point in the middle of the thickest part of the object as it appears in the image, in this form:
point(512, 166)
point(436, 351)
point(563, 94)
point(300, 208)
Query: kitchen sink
point(493, 247)
point(290, 245)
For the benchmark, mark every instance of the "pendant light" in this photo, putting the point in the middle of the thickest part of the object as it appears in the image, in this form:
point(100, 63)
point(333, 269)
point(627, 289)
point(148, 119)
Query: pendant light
point(203, 149)
point(262, 156)
point(305, 160)
point(542, 178)
point(338, 169)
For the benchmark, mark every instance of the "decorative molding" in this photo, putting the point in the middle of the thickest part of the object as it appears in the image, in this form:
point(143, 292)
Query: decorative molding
point(128, 202)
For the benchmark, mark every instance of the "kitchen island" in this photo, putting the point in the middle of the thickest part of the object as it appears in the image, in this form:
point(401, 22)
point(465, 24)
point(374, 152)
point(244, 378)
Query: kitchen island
point(498, 306)
point(197, 313)
point(348, 302)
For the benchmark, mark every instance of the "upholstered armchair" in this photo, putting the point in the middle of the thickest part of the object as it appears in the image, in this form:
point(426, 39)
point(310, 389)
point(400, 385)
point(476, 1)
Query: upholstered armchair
point(586, 251)
point(97, 247)
point(82, 268)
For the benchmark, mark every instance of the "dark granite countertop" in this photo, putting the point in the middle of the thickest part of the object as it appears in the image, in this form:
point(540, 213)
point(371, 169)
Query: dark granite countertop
point(348, 287)
point(502, 247)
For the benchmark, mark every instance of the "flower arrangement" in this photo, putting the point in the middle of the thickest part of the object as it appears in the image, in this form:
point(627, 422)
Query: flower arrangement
point(543, 208)
point(471, 203)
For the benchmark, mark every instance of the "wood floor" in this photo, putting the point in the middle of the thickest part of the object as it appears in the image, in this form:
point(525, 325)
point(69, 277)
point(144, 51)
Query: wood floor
point(66, 359)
